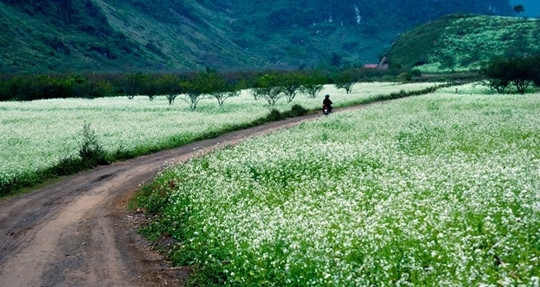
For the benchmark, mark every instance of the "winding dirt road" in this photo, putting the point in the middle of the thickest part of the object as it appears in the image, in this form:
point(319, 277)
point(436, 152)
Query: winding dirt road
point(78, 232)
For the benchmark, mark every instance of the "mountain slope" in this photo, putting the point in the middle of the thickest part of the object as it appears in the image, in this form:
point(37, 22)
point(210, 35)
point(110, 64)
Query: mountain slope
point(164, 35)
point(37, 40)
point(353, 32)
point(112, 36)
point(464, 42)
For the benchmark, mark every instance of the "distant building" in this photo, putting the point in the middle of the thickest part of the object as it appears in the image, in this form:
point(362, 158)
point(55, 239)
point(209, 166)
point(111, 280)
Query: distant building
point(371, 66)
point(382, 65)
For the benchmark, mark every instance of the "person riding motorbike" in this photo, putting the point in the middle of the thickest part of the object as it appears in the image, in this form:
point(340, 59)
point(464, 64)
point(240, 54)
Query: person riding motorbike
point(327, 104)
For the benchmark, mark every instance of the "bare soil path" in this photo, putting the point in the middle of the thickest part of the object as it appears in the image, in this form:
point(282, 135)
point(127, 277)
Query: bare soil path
point(78, 232)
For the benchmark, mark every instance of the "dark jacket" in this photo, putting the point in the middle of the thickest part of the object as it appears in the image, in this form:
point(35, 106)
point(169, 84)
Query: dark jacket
point(327, 102)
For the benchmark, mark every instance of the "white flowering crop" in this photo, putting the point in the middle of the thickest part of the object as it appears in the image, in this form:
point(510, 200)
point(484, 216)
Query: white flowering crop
point(38, 134)
point(439, 190)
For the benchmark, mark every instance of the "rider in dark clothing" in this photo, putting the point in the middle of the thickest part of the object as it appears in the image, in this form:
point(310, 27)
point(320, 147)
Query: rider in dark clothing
point(327, 103)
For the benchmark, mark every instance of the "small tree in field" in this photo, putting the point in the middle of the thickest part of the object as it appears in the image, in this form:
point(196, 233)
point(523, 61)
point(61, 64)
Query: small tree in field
point(204, 83)
point(312, 85)
point(137, 84)
point(519, 9)
point(171, 86)
point(195, 88)
point(219, 88)
point(291, 83)
point(346, 79)
point(90, 149)
point(269, 87)
point(151, 87)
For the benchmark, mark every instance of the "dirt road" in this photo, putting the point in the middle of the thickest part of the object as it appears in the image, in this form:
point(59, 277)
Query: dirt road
point(78, 232)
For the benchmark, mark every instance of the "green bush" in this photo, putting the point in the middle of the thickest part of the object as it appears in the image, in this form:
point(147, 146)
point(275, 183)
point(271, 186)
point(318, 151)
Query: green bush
point(274, 115)
point(91, 152)
point(298, 110)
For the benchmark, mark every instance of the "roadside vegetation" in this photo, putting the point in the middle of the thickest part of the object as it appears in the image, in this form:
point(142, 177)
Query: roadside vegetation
point(437, 190)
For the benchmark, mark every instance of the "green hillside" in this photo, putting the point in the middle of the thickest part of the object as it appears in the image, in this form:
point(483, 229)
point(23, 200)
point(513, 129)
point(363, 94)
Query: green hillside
point(465, 42)
point(184, 35)
point(113, 36)
point(32, 40)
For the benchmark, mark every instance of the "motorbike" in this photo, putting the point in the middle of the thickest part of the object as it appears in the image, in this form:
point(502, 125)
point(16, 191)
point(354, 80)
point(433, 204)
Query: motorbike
point(326, 109)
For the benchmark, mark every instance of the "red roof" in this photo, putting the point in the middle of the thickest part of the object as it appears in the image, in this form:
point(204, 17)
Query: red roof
point(371, 66)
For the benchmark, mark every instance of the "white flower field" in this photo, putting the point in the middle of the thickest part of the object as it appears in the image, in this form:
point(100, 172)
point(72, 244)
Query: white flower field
point(437, 190)
point(38, 134)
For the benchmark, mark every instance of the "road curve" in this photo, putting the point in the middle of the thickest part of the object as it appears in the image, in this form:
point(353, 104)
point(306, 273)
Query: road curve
point(77, 232)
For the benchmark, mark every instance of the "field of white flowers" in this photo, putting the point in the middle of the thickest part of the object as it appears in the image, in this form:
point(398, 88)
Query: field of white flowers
point(38, 134)
point(437, 190)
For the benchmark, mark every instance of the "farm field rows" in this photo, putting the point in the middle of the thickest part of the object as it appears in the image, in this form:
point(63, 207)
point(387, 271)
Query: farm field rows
point(37, 135)
point(437, 190)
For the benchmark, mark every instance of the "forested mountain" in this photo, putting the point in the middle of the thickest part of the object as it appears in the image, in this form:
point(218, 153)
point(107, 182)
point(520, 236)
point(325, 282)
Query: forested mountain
point(159, 35)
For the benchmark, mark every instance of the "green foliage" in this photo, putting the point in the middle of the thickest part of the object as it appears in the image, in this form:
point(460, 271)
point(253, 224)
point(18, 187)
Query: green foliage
point(34, 87)
point(405, 77)
point(81, 35)
point(269, 87)
point(465, 42)
point(274, 115)
point(90, 149)
point(221, 89)
point(171, 86)
point(346, 79)
point(313, 83)
point(519, 9)
point(198, 85)
point(516, 72)
point(415, 73)
point(297, 110)
point(291, 83)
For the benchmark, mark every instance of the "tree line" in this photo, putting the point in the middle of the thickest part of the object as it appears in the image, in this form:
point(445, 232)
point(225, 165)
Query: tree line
point(512, 74)
point(268, 85)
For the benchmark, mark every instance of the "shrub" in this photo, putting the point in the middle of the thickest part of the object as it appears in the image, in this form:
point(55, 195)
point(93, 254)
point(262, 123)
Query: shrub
point(405, 77)
point(274, 115)
point(91, 152)
point(298, 110)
